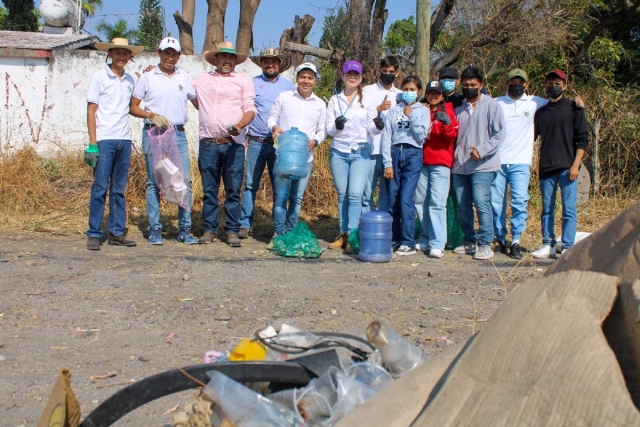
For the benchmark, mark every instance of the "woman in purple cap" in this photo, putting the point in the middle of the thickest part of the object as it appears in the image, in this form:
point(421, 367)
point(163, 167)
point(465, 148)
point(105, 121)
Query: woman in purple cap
point(351, 122)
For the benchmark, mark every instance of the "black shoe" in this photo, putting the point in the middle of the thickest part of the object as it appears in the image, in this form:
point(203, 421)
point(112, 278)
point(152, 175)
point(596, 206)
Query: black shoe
point(120, 241)
point(502, 248)
point(93, 243)
point(515, 251)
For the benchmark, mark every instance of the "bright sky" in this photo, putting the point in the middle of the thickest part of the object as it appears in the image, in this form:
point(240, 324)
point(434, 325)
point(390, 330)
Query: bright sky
point(271, 20)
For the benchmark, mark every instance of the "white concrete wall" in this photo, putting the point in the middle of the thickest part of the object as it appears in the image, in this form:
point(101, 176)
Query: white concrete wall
point(45, 100)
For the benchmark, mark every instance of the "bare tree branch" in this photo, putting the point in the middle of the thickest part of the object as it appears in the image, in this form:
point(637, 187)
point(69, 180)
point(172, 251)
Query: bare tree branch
point(215, 24)
point(185, 25)
point(334, 56)
point(244, 39)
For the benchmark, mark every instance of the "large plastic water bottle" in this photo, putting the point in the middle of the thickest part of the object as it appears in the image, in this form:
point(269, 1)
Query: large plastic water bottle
point(292, 154)
point(375, 236)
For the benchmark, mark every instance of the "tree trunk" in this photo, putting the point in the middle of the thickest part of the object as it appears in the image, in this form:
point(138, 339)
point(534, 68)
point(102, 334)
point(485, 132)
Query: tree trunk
point(215, 24)
point(423, 26)
point(360, 30)
point(596, 156)
point(244, 39)
point(439, 17)
point(185, 25)
point(334, 56)
point(379, 19)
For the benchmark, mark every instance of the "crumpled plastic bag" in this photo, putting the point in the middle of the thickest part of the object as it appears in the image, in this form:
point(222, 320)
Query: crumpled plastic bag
point(455, 237)
point(354, 239)
point(298, 243)
point(167, 167)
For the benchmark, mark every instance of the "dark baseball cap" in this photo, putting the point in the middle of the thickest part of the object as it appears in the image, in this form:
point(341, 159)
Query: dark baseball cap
point(518, 72)
point(557, 73)
point(449, 73)
point(434, 85)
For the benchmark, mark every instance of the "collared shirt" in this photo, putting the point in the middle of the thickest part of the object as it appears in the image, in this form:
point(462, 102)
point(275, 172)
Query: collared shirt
point(307, 114)
point(359, 126)
point(113, 95)
point(166, 94)
point(223, 100)
point(374, 95)
point(517, 147)
point(266, 93)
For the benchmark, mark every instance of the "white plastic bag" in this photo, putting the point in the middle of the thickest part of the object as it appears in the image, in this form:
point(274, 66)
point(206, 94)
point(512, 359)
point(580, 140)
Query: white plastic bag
point(167, 167)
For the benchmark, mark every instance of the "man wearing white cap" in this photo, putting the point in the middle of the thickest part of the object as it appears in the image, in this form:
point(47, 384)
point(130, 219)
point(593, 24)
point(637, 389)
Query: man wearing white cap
point(165, 91)
point(109, 151)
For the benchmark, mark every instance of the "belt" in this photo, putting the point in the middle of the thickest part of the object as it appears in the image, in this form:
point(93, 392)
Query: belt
point(219, 140)
point(267, 140)
point(179, 128)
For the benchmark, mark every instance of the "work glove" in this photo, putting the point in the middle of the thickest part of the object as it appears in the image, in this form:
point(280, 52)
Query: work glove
point(91, 155)
point(379, 123)
point(443, 117)
point(340, 121)
point(158, 120)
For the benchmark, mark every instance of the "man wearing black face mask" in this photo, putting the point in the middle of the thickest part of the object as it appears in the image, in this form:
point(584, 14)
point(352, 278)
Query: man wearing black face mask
point(563, 132)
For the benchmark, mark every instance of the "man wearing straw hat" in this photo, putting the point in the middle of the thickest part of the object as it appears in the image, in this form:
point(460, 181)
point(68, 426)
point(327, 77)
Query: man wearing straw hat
point(109, 151)
point(260, 149)
point(226, 100)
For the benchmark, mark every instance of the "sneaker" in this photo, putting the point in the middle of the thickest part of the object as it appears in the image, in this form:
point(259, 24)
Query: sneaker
point(468, 248)
point(120, 241)
point(93, 243)
point(395, 246)
point(185, 236)
point(502, 247)
point(515, 251)
point(155, 236)
point(233, 240)
point(435, 253)
point(340, 242)
point(543, 251)
point(270, 245)
point(207, 237)
point(483, 252)
point(243, 233)
point(406, 250)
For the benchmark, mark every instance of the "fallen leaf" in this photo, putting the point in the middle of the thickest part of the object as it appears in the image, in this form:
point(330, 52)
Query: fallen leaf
point(185, 299)
point(413, 264)
point(172, 409)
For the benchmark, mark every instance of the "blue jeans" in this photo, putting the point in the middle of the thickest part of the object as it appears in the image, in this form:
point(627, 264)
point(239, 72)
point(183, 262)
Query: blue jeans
point(431, 197)
point(517, 177)
point(112, 172)
point(224, 161)
point(153, 193)
point(350, 177)
point(376, 173)
point(475, 190)
point(406, 163)
point(258, 155)
point(285, 219)
point(569, 195)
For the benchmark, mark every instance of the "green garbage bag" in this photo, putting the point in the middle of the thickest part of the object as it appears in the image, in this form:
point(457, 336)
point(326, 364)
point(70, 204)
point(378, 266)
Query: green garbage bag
point(416, 229)
point(298, 243)
point(354, 239)
point(455, 237)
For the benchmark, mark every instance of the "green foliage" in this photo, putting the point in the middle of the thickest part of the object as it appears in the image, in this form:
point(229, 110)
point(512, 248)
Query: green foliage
point(119, 29)
point(150, 24)
point(21, 16)
point(89, 7)
point(3, 17)
point(401, 38)
point(335, 30)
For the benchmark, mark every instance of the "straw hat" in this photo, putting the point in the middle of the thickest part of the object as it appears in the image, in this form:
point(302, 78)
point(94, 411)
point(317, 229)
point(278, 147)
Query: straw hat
point(224, 47)
point(285, 61)
point(119, 43)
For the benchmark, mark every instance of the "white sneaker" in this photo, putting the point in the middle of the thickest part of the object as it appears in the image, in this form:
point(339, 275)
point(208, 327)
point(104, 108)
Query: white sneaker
point(406, 250)
point(543, 251)
point(468, 248)
point(483, 252)
point(435, 253)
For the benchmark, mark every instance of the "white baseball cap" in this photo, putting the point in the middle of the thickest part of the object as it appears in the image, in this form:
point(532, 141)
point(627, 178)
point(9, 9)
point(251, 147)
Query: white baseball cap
point(169, 43)
point(308, 66)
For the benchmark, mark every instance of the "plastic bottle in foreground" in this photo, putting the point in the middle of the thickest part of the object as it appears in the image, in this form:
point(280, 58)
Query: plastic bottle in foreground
point(399, 355)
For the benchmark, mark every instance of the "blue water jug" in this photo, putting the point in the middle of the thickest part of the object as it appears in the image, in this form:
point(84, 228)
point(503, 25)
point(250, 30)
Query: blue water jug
point(292, 154)
point(375, 236)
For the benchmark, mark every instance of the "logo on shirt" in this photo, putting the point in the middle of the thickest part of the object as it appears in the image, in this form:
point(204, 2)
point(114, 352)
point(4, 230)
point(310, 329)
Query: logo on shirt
point(129, 88)
point(526, 113)
point(402, 123)
point(180, 88)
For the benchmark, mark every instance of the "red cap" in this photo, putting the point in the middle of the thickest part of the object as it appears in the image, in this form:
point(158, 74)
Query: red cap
point(559, 73)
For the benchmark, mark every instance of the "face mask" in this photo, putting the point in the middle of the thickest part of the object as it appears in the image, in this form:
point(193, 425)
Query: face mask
point(409, 97)
point(387, 79)
point(449, 85)
point(470, 93)
point(516, 91)
point(553, 92)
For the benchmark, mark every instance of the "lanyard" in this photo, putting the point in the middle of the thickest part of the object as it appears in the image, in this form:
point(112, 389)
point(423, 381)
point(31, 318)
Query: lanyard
point(349, 106)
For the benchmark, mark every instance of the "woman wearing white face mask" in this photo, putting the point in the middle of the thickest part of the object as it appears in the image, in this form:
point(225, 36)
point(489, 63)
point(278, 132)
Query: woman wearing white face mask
point(351, 122)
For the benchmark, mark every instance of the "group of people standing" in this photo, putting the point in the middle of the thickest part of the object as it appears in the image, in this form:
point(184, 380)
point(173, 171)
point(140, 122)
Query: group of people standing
point(414, 143)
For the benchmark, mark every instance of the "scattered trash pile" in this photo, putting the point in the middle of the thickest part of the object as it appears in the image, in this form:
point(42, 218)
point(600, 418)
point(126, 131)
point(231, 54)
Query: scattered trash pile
point(350, 369)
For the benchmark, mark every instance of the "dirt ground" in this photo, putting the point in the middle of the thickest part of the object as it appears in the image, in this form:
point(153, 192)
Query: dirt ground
point(144, 310)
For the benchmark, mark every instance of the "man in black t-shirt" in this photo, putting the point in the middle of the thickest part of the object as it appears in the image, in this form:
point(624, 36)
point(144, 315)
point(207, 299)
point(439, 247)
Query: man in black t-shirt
point(563, 132)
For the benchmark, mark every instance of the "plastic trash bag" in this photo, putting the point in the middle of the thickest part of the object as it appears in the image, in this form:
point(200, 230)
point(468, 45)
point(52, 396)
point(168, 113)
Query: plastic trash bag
point(354, 239)
point(167, 167)
point(455, 237)
point(298, 243)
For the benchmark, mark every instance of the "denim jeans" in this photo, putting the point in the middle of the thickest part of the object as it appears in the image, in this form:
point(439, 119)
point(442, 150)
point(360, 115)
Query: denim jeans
point(112, 172)
point(218, 161)
point(153, 193)
point(431, 206)
point(569, 195)
point(350, 177)
point(517, 177)
point(258, 155)
point(475, 190)
point(285, 218)
point(376, 173)
point(406, 162)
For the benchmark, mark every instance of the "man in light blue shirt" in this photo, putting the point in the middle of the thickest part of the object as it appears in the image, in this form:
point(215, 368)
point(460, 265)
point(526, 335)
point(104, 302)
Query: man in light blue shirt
point(260, 149)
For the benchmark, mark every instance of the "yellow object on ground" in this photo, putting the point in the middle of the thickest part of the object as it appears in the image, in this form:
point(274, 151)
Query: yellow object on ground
point(247, 350)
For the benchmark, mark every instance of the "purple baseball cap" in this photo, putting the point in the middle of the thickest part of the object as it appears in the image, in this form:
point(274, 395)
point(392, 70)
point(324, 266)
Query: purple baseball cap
point(352, 65)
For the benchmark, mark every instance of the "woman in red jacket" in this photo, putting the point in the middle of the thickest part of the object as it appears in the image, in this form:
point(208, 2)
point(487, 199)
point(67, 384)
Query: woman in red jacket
point(433, 186)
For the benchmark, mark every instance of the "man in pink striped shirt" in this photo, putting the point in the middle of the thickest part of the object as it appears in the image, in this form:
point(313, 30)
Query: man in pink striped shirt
point(226, 101)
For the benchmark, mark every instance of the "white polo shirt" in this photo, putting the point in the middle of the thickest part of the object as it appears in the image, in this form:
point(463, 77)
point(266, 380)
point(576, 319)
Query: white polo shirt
point(308, 115)
point(166, 95)
point(113, 95)
point(374, 95)
point(517, 147)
